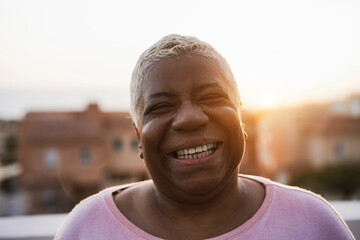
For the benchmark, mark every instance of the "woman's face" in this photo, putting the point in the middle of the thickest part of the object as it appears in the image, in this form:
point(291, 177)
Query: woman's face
point(190, 129)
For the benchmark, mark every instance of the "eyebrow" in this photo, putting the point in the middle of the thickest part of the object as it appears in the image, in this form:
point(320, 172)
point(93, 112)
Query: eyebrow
point(207, 85)
point(170, 94)
point(160, 94)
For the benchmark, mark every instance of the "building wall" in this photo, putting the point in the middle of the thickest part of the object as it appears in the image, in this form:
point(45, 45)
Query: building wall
point(124, 162)
point(295, 140)
point(71, 155)
point(333, 149)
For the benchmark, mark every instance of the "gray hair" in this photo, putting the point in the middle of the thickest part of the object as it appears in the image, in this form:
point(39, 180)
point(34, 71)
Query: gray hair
point(174, 46)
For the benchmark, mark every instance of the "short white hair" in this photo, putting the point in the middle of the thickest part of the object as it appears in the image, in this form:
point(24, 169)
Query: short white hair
point(174, 46)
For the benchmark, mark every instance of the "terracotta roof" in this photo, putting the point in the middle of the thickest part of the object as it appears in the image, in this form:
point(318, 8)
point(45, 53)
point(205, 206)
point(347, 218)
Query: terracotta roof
point(118, 119)
point(41, 116)
point(74, 125)
point(63, 130)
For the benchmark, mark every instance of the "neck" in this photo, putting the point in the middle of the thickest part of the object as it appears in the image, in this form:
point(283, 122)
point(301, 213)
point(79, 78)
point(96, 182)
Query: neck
point(202, 215)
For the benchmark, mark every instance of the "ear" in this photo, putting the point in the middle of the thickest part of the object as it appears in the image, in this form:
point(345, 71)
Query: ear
point(243, 128)
point(136, 132)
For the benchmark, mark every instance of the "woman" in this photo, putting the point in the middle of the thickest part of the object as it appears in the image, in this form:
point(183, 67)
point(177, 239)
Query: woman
point(186, 112)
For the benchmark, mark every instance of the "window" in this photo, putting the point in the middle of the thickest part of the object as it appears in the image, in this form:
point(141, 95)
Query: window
point(117, 145)
point(51, 158)
point(85, 156)
point(317, 152)
point(339, 150)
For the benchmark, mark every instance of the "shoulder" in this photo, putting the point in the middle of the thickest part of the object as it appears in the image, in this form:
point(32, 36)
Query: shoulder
point(302, 199)
point(299, 199)
point(84, 214)
point(133, 202)
point(93, 204)
point(93, 215)
point(297, 206)
point(293, 195)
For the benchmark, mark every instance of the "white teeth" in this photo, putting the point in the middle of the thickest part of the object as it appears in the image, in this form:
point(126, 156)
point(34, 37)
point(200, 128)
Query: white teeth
point(196, 152)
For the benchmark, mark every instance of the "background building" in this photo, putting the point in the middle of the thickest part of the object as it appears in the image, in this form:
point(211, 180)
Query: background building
point(313, 146)
point(52, 160)
point(67, 156)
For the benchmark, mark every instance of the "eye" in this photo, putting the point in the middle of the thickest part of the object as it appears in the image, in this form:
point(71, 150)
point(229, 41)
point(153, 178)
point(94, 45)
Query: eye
point(212, 98)
point(159, 108)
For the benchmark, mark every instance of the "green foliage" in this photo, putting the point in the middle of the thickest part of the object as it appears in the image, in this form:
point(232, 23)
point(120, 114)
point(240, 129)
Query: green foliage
point(342, 180)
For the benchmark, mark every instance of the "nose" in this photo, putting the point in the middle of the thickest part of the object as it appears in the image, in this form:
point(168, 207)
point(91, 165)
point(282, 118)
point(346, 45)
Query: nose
point(189, 117)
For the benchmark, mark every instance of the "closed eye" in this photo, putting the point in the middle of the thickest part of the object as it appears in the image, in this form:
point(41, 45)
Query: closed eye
point(159, 108)
point(212, 98)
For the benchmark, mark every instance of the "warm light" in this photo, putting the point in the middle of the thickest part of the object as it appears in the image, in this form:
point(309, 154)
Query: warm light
point(267, 102)
point(281, 52)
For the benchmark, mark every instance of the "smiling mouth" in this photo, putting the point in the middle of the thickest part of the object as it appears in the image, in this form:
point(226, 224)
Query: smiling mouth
point(196, 152)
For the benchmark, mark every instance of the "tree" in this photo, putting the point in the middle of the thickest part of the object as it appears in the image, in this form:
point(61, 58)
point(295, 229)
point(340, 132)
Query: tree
point(342, 180)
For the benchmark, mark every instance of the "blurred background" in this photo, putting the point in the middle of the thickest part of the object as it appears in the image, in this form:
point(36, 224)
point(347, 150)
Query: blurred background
point(65, 69)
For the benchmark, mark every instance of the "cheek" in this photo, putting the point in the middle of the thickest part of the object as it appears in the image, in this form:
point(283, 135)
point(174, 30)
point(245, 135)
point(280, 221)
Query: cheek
point(227, 117)
point(152, 138)
point(230, 123)
point(151, 135)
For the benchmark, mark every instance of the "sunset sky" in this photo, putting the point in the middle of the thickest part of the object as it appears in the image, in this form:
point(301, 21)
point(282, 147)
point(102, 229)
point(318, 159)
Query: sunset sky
point(60, 55)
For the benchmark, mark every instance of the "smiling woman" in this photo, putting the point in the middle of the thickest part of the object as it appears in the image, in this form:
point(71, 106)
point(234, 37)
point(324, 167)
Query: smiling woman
point(187, 116)
point(186, 106)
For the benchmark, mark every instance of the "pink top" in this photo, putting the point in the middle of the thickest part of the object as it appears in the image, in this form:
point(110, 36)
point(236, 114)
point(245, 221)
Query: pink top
point(286, 213)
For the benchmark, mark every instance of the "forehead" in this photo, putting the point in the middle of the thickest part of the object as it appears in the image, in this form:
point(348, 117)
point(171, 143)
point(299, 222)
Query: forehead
point(198, 68)
point(161, 73)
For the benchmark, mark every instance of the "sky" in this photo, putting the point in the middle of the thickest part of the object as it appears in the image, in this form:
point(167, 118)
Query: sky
point(61, 55)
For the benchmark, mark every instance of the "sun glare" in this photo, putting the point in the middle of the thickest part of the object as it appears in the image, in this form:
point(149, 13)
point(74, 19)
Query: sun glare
point(281, 52)
point(267, 102)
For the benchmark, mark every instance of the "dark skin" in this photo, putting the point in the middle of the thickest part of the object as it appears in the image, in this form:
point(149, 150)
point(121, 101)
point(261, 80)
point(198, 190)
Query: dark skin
point(187, 103)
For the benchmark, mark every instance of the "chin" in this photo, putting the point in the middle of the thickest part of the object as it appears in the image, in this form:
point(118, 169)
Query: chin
point(200, 186)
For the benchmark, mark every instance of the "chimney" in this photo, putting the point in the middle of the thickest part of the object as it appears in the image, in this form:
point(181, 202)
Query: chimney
point(94, 114)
